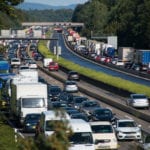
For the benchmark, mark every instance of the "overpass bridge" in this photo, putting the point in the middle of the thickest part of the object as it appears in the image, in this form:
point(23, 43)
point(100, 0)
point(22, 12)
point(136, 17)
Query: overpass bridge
point(67, 24)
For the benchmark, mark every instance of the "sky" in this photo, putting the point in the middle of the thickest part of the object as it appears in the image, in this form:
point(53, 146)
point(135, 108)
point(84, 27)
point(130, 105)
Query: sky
point(57, 2)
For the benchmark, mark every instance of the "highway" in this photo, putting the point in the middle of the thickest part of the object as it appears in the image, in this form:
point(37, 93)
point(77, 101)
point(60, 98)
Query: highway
point(120, 114)
point(126, 145)
point(69, 55)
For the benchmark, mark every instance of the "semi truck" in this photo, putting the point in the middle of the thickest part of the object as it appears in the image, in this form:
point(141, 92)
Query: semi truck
point(28, 98)
point(142, 57)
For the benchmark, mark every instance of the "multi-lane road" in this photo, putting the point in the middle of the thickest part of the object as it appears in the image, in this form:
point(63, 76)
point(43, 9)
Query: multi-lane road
point(69, 55)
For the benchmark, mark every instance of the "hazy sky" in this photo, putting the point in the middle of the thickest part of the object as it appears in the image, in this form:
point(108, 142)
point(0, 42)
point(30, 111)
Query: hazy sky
point(57, 2)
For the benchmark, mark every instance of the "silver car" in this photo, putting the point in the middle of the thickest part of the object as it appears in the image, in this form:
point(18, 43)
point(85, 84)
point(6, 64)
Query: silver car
point(70, 86)
point(138, 101)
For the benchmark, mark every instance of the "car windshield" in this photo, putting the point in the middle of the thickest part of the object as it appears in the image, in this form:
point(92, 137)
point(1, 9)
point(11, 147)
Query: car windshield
point(127, 124)
point(139, 96)
point(103, 112)
point(102, 128)
point(91, 104)
point(55, 90)
point(70, 83)
point(79, 100)
point(33, 102)
point(81, 138)
point(33, 117)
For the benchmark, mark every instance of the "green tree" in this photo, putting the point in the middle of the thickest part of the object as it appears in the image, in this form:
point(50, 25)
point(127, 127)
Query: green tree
point(59, 140)
point(7, 6)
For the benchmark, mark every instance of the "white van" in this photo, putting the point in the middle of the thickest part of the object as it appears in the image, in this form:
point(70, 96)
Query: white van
point(46, 120)
point(82, 134)
point(104, 135)
point(82, 138)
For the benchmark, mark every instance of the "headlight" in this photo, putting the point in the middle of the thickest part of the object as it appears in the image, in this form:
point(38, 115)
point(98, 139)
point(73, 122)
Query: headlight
point(120, 132)
point(28, 124)
point(76, 107)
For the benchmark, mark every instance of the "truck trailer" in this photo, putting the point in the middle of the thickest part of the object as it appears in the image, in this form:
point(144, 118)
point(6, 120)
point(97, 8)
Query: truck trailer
point(126, 53)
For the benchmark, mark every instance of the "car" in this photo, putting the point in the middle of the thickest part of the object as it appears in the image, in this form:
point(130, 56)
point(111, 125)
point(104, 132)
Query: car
point(54, 92)
point(127, 129)
point(138, 101)
point(30, 122)
point(38, 57)
point(119, 62)
point(53, 66)
point(88, 106)
point(148, 71)
point(135, 67)
point(80, 115)
point(128, 65)
point(70, 86)
point(21, 67)
point(15, 62)
point(102, 114)
point(144, 144)
point(73, 75)
point(77, 100)
point(72, 111)
point(42, 80)
point(143, 67)
point(67, 97)
point(32, 65)
point(56, 105)
point(104, 135)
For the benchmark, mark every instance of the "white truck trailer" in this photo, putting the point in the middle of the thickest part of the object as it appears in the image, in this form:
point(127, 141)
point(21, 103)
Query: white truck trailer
point(28, 98)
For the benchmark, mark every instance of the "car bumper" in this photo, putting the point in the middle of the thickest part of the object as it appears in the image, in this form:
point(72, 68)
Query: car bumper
point(123, 136)
point(140, 105)
point(106, 146)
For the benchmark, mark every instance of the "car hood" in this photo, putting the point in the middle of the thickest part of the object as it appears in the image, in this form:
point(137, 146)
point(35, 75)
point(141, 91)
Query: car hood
point(99, 136)
point(128, 129)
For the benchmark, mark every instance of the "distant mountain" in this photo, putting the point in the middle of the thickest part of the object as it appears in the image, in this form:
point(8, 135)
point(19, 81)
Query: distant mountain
point(38, 6)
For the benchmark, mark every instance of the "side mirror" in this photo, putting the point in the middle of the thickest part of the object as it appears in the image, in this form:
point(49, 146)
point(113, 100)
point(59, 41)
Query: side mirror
point(139, 125)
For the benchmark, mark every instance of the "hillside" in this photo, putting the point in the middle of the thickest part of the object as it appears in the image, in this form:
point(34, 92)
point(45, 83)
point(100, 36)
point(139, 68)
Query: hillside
point(38, 6)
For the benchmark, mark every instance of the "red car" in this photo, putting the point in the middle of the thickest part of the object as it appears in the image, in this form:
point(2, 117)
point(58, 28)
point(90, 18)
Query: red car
point(53, 66)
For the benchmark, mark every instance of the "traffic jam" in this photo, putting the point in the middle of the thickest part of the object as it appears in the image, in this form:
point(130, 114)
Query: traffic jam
point(32, 101)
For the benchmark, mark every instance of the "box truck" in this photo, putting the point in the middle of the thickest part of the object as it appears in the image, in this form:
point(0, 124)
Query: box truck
point(28, 98)
point(126, 53)
point(46, 62)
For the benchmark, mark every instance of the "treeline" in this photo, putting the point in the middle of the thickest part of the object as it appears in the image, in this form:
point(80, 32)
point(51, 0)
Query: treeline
point(128, 19)
point(14, 21)
point(61, 15)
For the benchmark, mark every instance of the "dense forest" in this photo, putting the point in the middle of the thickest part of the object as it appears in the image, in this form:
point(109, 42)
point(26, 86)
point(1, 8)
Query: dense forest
point(129, 20)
